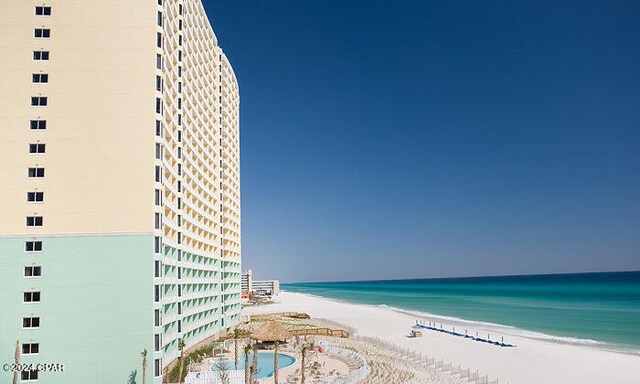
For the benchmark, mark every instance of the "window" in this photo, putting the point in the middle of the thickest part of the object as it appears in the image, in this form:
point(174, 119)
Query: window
point(31, 297)
point(157, 244)
point(179, 273)
point(179, 169)
point(180, 40)
point(179, 71)
point(36, 148)
point(35, 197)
point(158, 151)
point(179, 119)
point(40, 78)
point(158, 61)
point(33, 246)
point(34, 221)
point(157, 317)
point(179, 326)
point(179, 220)
point(179, 292)
point(159, 40)
point(32, 271)
point(29, 375)
point(40, 55)
point(179, 55)
point(36, 172)
point(179, 86)
point(179, 238)
point(158, 268)
point(158, 221)
point(158, 174)
point(158, 83)
point(179, 103)
point(179, 308)
point(157, 367)
point(43, 11)
point(158, 105)
point(42, 33)
point(30, 322)
point(159, 128)
point(30, 348)
point(156, 293)
point(179, 152)
point(159, 19)
point(179, 186)
point(158, 197)
point(157, 342)
point(179, 203)
point(180, 9)
point(38, 101)
point(38, 124)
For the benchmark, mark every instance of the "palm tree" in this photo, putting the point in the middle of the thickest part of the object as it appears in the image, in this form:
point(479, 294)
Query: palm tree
point(275, 363)
point(17, 361)
point(132, 377)
point(236, 336)
point(254, 363)
point(181, 347)
point(144, 366)
point(304, 354)
point(247, 351)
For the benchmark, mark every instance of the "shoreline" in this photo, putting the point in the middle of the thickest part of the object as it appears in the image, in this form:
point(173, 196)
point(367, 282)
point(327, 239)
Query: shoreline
point(533, 360)
point(510, 330)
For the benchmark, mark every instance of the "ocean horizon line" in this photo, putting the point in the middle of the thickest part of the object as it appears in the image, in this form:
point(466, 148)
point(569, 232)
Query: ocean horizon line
point(544, 274)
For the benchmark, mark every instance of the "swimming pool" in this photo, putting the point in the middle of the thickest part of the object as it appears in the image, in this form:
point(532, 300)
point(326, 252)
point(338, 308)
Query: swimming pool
point(264, 365)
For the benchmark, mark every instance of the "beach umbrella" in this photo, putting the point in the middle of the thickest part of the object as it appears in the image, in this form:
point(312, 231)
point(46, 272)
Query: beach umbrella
point(271, 331)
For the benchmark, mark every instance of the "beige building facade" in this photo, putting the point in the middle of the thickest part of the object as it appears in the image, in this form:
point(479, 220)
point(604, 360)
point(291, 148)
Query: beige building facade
point(120, 193)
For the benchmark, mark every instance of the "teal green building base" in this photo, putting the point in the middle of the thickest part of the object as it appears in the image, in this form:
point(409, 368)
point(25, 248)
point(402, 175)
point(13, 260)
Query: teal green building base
point(96, 309)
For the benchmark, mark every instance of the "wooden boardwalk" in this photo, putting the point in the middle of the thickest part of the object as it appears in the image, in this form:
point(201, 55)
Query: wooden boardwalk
point(320, 331)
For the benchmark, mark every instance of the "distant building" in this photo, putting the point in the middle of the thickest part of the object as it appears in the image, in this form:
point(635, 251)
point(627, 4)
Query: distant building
point(259, 287)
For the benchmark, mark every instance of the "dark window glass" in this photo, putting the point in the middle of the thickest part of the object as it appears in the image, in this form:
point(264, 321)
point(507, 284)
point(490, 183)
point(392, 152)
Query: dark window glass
point(33, 246)
point(157, 367)
point(43, 11)
point(40, 78)
point(38, 101)
point(36, 148)
point(42, 33)
point(33, 197)
point(157, 318)
point(38, 124)
point(36, 172)
point(40, 55)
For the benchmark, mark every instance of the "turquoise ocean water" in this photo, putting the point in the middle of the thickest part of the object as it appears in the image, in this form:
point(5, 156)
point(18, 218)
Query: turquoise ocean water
point(600, 309)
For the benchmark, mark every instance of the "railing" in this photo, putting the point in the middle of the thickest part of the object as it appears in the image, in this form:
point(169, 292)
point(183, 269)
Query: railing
point(321, 332)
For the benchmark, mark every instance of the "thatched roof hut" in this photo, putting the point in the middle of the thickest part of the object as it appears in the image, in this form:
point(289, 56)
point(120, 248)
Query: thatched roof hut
point(271, 331)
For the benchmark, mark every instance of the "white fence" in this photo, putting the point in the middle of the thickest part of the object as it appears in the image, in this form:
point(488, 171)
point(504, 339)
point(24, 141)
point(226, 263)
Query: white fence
point(354, 359)
point(234, 377)
point(430, 362)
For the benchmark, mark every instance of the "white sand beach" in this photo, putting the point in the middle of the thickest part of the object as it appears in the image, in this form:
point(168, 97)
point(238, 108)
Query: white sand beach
point(532, 361)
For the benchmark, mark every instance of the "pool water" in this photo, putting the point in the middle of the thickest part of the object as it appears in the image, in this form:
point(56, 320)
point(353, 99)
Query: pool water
point(264, 366)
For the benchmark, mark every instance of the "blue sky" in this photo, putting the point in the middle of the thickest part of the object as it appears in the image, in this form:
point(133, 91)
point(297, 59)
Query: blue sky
point(409, 139)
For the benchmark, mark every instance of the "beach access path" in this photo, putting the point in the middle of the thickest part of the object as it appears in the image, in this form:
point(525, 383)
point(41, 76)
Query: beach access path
point(532, 361)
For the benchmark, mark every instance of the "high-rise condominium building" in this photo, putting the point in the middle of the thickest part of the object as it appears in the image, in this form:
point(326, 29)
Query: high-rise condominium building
point(119, 187)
